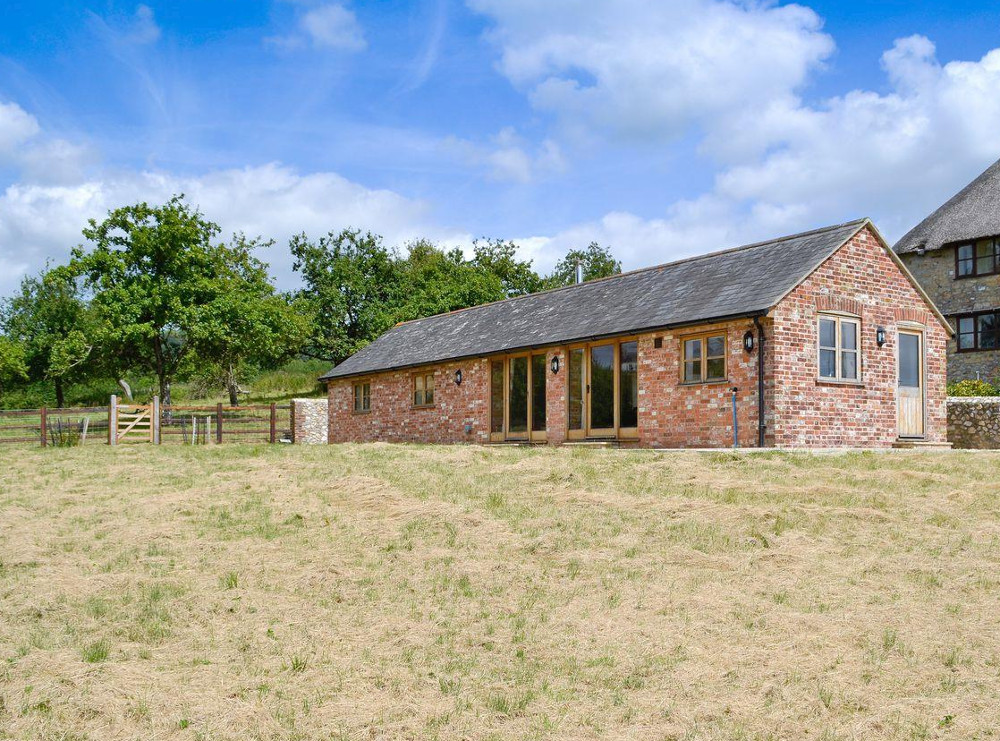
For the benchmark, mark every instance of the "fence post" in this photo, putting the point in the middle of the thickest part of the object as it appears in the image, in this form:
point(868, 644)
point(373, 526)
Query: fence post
point(45, 430)
point(113, 421)
point(274, 423)
point(218, 422)
point(155, 421)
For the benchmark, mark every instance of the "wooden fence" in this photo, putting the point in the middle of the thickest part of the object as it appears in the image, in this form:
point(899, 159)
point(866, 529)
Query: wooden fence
point(125, 424)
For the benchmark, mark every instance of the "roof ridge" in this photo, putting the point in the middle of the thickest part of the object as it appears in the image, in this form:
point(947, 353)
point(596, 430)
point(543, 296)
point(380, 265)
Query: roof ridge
point(646, 269)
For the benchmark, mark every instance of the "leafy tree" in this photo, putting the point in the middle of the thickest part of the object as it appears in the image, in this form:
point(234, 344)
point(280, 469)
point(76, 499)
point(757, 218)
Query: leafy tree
point(435, 281)
point(246, 324)
point(352, 289)
point(157, 280)
point(498, 257)
point(598, 262)
point(12, 362)
point(54, 326)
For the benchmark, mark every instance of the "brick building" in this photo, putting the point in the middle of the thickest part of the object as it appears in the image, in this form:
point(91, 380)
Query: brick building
point(822, 339)
point(955, 255)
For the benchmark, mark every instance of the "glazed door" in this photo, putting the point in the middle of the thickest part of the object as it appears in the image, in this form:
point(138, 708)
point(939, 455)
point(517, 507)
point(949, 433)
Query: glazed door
point(517, 399)
point(601, 391)
point(910, 393)
point(576, 414)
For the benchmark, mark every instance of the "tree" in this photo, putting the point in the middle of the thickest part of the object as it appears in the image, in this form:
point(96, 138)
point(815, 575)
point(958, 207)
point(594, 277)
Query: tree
point(597, 261)
point(246, 325)
point(352, 289)
point(156, 278)
point(499, 258)
point(53, 324)
point(435, 281)
point(12, 362)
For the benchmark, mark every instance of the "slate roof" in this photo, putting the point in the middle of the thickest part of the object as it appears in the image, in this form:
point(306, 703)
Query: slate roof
point(738, 282)
point(973, 212)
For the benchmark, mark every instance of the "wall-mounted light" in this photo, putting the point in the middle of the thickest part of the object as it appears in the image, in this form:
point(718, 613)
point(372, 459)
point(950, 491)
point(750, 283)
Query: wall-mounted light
point(554, 364)
point(458, 377)
point(748, 341)
point(880, 336)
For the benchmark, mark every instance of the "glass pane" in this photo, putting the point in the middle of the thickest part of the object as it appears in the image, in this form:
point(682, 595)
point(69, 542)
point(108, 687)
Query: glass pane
point(496, 396)
point(418, 398)
point(965, 259)
point(429, 390)
point(827, 333)
point(966, 324)
point(357, 398)
point(984, 257)
point(849, 335)
point(518, 411)
point(367, 404)
point(576, 388)
point(988, 332)
point(967, 341)
point(715, 369)
point(692, 371)
point(602, 386)
point(692, 349)
point(849, 366)
point(538, 367)
point(628, 384)
point(909, 360)
point(828, 363)
point(716, 347)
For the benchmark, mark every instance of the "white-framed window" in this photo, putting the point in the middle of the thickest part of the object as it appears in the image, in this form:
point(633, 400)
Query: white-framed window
point(839, 357)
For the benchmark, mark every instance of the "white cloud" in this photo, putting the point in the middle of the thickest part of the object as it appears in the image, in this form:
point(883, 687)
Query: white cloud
point(329, 26)
point(16, 127)
point(507, 157)
point(651, 70)
point(39, 222)
point(143, 29)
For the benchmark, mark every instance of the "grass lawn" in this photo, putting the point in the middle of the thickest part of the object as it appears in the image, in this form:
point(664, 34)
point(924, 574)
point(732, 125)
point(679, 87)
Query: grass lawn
point(366, 592)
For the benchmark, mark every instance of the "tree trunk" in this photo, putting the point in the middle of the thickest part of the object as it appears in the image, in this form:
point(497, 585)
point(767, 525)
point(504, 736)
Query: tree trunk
point(60, 394)
point(164, 392)
point(233, 387)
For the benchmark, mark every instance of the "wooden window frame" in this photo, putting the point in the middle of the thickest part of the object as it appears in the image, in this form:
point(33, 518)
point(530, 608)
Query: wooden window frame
point(704, 357)
point(423, 377)
point(839, 349)
point(974, 244)
point(363, 409)
point(974, 316)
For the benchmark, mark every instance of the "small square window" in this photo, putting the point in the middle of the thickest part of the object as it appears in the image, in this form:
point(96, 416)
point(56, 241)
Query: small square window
point(704, 359)
point(838, 348)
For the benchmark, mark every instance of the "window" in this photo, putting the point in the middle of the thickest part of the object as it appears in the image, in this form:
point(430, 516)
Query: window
point(838, 348)
point(977, 258)
point(423, 390)
point(979, 331)
point(705, 358)
point(362, 397)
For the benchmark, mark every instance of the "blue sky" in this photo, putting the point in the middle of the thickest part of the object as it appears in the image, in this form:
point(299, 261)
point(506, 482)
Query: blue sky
point(661, 128)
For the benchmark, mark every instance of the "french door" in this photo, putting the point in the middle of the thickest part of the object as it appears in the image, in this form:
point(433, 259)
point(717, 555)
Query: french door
point(517, 398)
point(603, 393)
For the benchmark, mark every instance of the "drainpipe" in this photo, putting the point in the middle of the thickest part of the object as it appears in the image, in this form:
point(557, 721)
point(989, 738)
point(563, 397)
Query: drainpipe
point(760, 382)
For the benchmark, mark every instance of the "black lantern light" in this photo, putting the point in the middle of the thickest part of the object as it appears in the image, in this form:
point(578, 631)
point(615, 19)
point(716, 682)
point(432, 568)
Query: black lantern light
point(748, 341)
point(880, 336)
point(458, 377)
point(554, 364)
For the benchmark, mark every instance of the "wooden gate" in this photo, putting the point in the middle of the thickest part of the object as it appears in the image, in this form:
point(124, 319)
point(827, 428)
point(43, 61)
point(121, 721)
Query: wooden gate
point(134, 422)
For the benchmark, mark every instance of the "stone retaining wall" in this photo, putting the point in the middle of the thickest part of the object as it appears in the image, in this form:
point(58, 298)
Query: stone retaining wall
point(310, 421)
point(974, 422)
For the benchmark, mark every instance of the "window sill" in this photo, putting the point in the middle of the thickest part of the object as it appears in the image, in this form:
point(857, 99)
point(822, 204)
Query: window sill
point(362, 411)
point(423, 406)
point(722, 382)
point(836, 382)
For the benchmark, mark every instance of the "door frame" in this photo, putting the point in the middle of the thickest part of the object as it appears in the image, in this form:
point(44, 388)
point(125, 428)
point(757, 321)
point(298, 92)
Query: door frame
point(616, 432)
point(919, 331)
point(529, 435)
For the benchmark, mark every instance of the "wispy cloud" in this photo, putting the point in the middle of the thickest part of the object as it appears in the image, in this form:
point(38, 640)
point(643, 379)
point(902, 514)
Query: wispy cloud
point(422, 66)
point(327, 26)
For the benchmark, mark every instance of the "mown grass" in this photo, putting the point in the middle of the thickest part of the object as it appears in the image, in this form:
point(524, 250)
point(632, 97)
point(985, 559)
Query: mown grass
point(376, 591)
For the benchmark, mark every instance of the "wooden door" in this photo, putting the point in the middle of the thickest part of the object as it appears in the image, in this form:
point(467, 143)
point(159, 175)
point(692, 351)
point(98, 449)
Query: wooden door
point(910, 392)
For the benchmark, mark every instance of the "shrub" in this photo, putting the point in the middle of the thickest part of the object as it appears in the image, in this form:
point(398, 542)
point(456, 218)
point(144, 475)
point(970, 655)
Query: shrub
point(973, 388)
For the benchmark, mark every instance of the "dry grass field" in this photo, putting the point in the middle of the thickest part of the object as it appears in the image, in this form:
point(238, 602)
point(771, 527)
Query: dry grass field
point(368, 592)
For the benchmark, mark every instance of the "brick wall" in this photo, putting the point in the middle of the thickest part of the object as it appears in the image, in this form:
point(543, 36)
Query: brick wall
point(310, 421)
point(860, 278)
point(935, 271)
point(460, 412)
